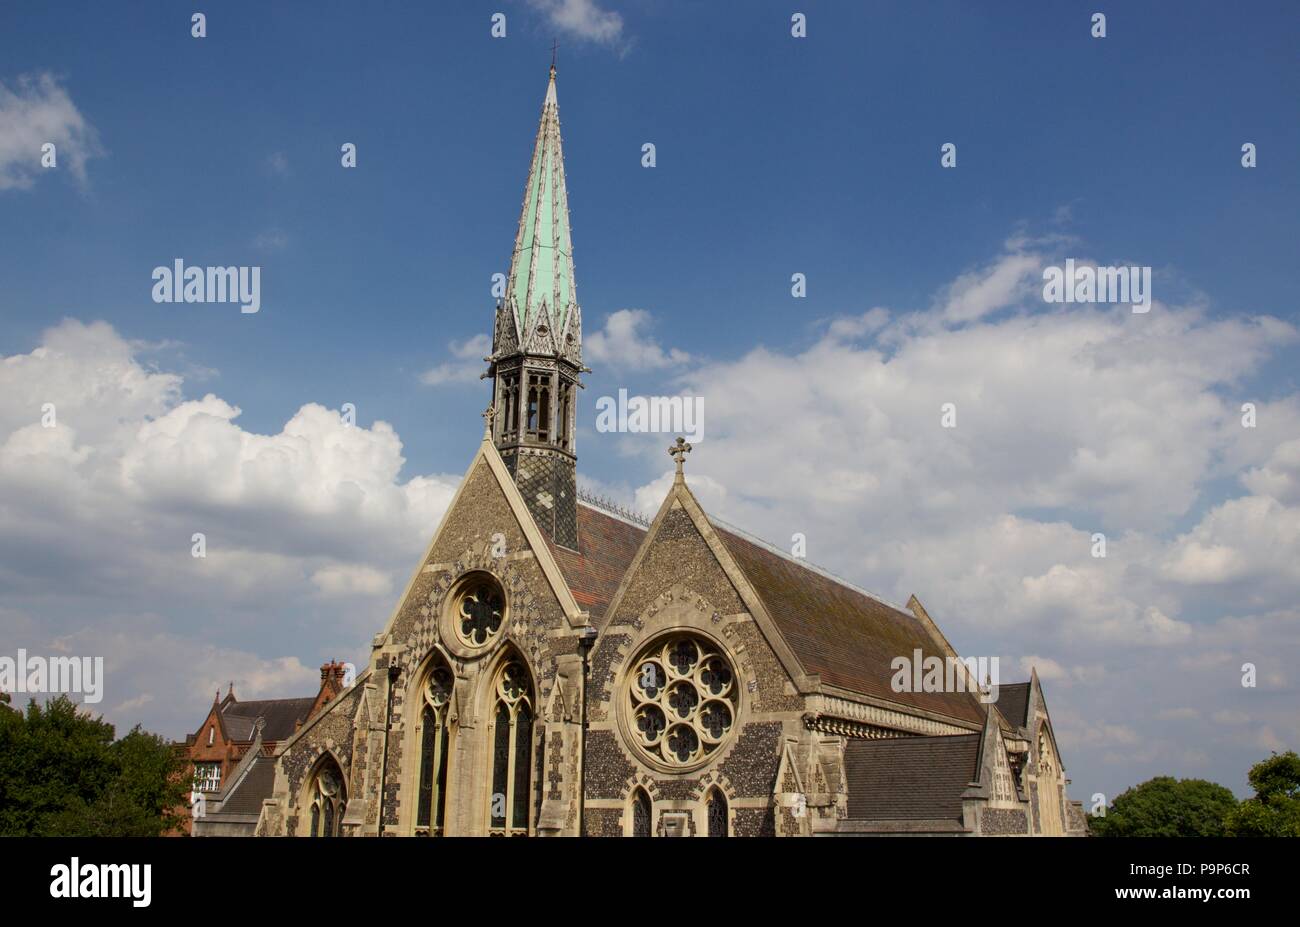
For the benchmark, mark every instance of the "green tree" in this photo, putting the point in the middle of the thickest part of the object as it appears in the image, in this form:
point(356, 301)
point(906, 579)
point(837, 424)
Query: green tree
point(63, 774)
point(1167, 807)
point(1275, 809)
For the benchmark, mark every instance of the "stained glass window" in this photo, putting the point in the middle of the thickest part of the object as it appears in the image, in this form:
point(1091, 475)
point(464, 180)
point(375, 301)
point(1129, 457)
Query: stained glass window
point(434, 739)
point(640, 814)
point(328, 802)
point(717, 808)
point(512, 751)
point(480, 609)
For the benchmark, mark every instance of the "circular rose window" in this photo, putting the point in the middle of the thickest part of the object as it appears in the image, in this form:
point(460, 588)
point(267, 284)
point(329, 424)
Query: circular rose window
point(681, 700)
point(478, 610)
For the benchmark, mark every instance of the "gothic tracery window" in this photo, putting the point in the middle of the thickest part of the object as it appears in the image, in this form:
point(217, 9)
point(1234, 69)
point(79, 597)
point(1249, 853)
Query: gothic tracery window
point(434, 739)
point(512, 751)
point(479, 610)
point(328, 801)
point(717, 813)
point(682, 700)
point(510, 391)
point(640, 813)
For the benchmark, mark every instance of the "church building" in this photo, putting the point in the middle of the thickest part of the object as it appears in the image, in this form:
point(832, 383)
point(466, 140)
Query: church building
point(558, 667)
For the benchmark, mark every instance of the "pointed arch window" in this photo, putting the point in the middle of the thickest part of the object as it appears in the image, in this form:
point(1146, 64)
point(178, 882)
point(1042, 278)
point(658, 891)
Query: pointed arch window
point(640, 813)
point(531, 423)
point(510, 400)
point(563, 423)
point(328, 800)
point(539, 407)
point(717, 813)
point(512, 751)
point(434, 740)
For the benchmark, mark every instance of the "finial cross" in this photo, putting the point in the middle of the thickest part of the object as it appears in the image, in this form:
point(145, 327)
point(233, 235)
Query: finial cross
point(555, 45)
point(489, 415)
point(678, 452)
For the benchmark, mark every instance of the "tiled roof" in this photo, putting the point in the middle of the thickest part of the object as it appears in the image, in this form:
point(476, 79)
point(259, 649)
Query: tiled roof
point(281, 714)
point(844, 635)
point(606, 546)
point(909, 778)
point(1013, 702)
point(256, 785)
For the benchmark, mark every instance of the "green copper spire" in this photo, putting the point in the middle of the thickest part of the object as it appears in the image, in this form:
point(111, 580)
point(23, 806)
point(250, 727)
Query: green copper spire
point(541, 269)
point(536, 362)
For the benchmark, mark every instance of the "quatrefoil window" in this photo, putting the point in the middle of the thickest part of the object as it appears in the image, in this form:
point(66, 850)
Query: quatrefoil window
point(682, 700)
point(479, 611)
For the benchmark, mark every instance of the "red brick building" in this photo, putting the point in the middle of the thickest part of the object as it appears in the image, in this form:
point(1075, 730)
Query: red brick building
point(224, 753)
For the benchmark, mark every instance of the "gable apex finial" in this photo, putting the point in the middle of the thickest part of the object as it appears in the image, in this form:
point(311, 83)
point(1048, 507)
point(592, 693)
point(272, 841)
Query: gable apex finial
point(678, 451)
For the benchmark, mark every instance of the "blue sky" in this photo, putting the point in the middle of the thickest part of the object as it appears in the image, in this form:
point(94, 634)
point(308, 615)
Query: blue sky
point(774, 156)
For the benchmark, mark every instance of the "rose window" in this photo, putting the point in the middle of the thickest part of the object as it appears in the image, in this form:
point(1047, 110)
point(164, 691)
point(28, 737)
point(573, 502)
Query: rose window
point(479, 611)
point(681, 700)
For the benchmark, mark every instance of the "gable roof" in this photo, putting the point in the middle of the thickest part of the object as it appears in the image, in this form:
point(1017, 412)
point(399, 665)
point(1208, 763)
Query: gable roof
point(909, 778)
point(842, 634)
point(1013, 702)
point(256, 785)
point(606, 546)
point(282, 717)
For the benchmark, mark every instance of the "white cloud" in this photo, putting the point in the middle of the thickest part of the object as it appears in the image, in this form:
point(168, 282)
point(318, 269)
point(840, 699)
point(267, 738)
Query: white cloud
point(624, 344)
point(344, 580)
point(36, 110)
point(582, 19)
point(466, 366)
point(977, 294)
point(97, 516)
point(1070, 421)
point(1279, 477)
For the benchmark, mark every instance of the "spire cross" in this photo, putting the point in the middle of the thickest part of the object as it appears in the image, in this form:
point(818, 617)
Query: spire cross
point(678, 452)
point(555, 45)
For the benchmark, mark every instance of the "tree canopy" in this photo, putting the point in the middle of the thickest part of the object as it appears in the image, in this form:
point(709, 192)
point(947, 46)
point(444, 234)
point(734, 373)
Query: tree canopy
point(62, 773)
point(1275, 809)
point(1167, 807)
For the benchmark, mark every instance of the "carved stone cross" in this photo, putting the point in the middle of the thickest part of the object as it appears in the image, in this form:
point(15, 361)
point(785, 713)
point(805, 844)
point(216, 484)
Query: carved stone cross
point(489, 415)
point(678, 452)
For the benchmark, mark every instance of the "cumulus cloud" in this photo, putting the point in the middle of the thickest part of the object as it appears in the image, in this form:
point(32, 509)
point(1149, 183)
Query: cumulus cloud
point(35, 110)
point(582, 19)
point(625, 344)
point(305, 529)
point(1070, 422)
point(466, 365)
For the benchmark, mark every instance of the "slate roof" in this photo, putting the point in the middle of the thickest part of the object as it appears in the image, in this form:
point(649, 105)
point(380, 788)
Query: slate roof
point(257, 784)
point(840, 633)
point(606, 546)
point(282, 716)
point(909, 778)
point(836, 631)
point(1013, 702)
